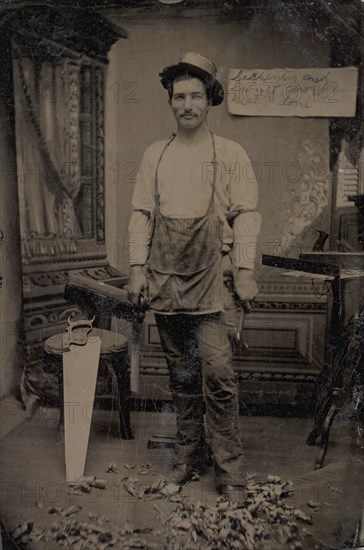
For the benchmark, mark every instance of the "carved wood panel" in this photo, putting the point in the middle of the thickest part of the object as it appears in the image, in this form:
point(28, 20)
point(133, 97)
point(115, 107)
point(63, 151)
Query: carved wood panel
point(59, 118)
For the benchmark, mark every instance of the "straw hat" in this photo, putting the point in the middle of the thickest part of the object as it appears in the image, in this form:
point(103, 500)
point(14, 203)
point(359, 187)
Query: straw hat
point(201, 67)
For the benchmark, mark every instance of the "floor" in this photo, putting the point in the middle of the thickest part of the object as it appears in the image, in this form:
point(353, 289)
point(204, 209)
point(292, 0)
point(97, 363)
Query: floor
point(33, 477)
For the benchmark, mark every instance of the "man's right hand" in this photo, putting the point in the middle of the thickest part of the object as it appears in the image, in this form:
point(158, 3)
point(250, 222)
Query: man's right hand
point(137, 284)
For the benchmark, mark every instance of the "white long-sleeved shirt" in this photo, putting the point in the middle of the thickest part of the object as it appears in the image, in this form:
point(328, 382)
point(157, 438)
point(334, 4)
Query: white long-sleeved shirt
point(185, 177)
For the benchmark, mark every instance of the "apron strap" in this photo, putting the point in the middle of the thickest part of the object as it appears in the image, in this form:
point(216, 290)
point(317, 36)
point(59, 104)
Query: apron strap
point(210, 208)
point(214, 165)
point(156, 192)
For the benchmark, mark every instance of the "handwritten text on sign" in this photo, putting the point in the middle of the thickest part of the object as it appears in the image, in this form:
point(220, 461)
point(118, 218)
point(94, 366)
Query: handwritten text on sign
point(292, 92)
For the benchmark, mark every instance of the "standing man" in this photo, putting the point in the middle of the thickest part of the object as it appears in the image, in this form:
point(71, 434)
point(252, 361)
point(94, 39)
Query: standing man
point(192, 204)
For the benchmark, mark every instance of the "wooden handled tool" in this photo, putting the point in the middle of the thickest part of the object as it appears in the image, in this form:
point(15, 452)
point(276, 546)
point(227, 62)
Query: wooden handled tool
point(245, 308)
point(134, 346)
point(100, 297)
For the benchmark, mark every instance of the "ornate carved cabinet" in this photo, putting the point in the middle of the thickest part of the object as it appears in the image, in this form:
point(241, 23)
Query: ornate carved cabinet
point(59, 61)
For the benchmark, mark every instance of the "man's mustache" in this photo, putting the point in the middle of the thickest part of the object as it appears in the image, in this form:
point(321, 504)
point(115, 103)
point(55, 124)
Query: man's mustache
point(183, 113)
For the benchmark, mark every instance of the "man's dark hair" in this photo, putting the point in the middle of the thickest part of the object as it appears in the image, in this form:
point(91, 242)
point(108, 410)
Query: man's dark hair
point(188, 76)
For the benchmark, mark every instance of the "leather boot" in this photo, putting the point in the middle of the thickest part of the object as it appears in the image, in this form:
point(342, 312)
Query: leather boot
point(232, 493)
point(181, 474)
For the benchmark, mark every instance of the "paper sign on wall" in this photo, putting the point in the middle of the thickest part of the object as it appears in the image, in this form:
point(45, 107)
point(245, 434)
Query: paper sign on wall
point(292, 92)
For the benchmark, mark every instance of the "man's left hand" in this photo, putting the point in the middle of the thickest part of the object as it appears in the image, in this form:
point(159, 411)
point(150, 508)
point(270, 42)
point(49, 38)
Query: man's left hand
point(245, 284)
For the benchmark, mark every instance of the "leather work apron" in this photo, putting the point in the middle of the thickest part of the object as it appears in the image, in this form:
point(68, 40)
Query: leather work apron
point(184, 264)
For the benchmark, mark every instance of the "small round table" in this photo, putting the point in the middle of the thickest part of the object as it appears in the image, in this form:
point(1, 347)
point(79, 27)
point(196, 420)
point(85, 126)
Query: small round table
point(113, 355)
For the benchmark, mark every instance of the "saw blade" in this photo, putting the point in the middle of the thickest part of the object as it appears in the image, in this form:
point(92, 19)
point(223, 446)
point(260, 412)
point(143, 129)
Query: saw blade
point(80, 366)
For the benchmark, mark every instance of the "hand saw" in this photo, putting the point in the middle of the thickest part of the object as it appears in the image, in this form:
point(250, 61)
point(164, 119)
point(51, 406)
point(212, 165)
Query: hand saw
point(80, 365)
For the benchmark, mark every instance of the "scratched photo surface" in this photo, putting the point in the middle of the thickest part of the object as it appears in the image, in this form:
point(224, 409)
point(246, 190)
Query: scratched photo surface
point(182, 267)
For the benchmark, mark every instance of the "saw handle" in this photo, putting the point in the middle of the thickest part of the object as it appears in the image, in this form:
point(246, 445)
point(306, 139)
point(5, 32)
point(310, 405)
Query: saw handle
point(81, 339)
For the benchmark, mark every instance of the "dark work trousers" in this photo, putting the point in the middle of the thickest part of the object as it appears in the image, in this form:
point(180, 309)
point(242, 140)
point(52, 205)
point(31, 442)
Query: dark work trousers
point(199, 359)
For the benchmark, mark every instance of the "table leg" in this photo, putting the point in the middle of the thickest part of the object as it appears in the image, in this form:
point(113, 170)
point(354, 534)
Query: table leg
point(337, 350)
point(120, 365)
point(325, 435)
point(60, 399)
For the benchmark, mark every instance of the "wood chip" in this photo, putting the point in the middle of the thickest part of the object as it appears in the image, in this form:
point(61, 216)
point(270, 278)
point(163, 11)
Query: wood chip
point(99, 484)
point(54, 510)
point(87, 479)
point(274, 479)
point(130, 486)
point(23, 529)
point(302, 516)
point(313, 504)
point(170, 489)
point(112, 468)
point(71, 511)
point(80, 486)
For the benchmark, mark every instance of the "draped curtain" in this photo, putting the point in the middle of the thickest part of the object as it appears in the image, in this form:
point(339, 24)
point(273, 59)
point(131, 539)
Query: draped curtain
point(48, 147)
